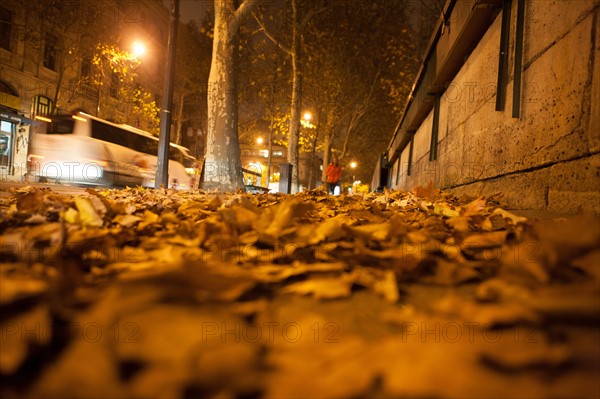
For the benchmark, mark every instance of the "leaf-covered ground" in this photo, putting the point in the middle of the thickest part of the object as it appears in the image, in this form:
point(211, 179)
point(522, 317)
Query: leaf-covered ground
point(160, 294)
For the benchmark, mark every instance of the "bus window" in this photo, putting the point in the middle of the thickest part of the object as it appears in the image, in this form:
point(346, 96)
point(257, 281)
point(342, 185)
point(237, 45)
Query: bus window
point(190, 162)
point(144, 144)
point(61, 125)
point(106, 132)
point(176, 155)
point(153, 146)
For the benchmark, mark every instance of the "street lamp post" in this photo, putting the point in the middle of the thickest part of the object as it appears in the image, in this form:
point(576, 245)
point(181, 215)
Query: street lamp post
point(270, 156)
point(353, 166)
point(162, 170)
point(305, 123)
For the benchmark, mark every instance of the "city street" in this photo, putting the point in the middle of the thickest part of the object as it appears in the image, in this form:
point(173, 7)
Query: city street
point(163, 294)
point(294, 199)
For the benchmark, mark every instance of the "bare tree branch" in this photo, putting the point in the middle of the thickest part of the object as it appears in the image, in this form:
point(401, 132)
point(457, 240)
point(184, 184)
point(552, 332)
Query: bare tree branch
point(310, 14)
point(357, 113)
point(241, 14)
point(272, 38)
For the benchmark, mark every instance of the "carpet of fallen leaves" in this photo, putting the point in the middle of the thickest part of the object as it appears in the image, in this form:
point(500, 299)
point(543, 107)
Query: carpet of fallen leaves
point(162, 294)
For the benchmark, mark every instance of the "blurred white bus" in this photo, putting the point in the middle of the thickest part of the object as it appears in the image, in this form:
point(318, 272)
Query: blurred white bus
point(83, 149)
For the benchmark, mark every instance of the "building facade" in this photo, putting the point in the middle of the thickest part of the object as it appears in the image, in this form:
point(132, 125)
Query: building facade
point(47, 52)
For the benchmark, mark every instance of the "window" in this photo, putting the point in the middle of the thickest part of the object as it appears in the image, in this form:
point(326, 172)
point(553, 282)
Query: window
point(61, 125)
point(50, 47)
point(264, 153)
point(190, 162)
point(86, 68)
point(5, 88)
point(112, 134)
point(143, 144)
point(277, 153)
point(6, 20)
point(6, 134)
point(116, 135)
point(41, 106)
point(176, 155)
point(113, 89)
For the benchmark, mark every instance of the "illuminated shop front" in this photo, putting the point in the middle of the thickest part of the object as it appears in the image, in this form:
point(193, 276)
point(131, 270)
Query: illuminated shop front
point(14, 133)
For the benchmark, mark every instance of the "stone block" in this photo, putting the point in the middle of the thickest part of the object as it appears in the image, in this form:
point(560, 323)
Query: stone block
point(546, 21)
point(575, 185)
point(593, 130)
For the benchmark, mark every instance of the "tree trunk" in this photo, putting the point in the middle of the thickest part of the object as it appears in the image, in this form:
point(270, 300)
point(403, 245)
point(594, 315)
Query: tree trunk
point(177, 135)
point(223, 167)
point(327, 141)
point(293, 151)
point(313, 155)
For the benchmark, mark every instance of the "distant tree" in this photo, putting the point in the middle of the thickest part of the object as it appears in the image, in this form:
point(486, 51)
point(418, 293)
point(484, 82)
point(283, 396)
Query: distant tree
point(191, 69)
point(117, 69)
point(298, 23)
point(359, 81)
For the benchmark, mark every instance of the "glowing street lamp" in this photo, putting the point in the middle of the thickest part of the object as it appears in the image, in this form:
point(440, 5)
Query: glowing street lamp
point(139, 49)
point(259, 140)
point(305, 122)
point(353, 166)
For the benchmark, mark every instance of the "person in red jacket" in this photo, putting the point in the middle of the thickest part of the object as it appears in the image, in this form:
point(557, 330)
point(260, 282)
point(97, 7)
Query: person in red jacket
point(333, 173)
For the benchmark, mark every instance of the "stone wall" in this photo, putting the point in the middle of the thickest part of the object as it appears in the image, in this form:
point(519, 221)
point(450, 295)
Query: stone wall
point(549, 158)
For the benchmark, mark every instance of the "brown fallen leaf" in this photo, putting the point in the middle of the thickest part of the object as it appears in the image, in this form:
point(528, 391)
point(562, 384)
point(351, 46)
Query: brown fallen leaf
point(509, 216)
point(126, 220)
point(329, 230)
point(87, 213)
point(528, 259)
point(17, 343)
point(321, 287)
point(590, 264)
point(487, 315)
point(493, 223)
point(387, 286)
point(239, 218)
point(528, 356)
point(337, 370)
point(31, 200)
point(452, 273)
point(275, 219)
point(18, 287)
point(371, 231)
point(277, 273)
point(569, 238)
point(428, 192)
point(484, 240)
point(444, 209)
point(459, 223)
point(87, 367)
point(475, 207)
point(573, 302)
